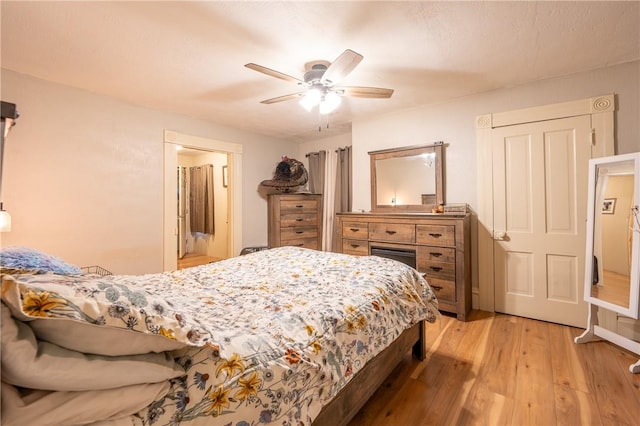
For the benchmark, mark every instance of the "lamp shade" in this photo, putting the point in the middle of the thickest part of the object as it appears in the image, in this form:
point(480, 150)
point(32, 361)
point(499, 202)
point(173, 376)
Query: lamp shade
point(5, 221)
point(330, 102)
point(311, 99)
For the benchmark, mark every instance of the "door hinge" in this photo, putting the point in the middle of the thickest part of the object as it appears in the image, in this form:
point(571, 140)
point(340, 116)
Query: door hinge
point(593, 137)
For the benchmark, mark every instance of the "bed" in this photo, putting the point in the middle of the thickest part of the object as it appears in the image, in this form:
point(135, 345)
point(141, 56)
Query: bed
point(284, 336)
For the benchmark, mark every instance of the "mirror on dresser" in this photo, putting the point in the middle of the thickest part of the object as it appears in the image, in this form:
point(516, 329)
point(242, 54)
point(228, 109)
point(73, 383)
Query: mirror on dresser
point(612, 264)
point(407, 179)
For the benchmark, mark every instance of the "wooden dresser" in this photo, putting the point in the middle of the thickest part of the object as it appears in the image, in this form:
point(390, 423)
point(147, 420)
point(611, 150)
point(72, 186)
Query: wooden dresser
point(441, 243)
point(295, 220)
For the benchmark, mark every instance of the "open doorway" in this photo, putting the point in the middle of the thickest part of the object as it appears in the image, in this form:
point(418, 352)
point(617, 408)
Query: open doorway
point(202, 207)
point(194, 152)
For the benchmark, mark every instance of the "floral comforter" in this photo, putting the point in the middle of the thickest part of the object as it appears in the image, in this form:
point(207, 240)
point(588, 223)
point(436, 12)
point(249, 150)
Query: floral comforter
point(269, 337)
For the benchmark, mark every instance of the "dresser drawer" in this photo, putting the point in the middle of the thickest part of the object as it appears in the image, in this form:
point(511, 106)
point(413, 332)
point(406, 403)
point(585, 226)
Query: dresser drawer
point(298, 206)
point(444, 290)
point(438, 235)
point(436, 269)
point(398, 232)
point(310, 243)
point(298, 219)
point(359, 230)
point(297, 233)
point(357, 247)
point(438, 254)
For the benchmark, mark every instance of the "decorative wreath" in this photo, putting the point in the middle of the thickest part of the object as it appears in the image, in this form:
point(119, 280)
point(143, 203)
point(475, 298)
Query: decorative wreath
point(290, 174)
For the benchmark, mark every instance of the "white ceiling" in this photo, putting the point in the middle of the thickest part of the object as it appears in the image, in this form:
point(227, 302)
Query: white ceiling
point(188, 57)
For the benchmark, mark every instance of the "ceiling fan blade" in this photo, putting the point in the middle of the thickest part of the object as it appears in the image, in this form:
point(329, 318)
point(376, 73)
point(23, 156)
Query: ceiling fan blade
point(341, 67)
point(282, 98)
point(273, 73)
point(365, 92)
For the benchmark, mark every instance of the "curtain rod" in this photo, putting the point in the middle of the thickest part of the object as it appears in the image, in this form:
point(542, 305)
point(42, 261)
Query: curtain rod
point(318, 152)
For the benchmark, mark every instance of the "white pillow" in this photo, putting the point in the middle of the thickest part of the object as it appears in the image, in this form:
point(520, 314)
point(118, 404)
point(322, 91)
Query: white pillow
point(29, 363)
point(82, 300)
point(45, 408)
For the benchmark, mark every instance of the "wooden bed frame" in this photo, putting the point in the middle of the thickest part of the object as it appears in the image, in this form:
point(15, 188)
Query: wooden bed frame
point(358, 391)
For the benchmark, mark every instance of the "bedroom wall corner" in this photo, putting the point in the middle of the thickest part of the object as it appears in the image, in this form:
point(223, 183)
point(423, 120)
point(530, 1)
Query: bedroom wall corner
point(83, 175)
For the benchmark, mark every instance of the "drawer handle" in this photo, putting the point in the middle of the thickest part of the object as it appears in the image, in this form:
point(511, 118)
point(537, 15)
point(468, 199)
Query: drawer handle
point(434, 235)
point(299, 245)
point(354, 229)
point(299, 219)
point(299, 206)
point(435, 254)
point(436, 287)
point(435, 268)
point(299, 232)
point(390, 232)
point(355, 245)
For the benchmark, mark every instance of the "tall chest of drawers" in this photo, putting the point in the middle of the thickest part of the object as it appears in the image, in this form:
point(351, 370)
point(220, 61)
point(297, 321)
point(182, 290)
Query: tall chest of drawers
point(440, 242)
point(295, 220)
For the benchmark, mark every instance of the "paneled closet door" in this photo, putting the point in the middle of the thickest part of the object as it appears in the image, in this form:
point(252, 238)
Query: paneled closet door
point(540, 200)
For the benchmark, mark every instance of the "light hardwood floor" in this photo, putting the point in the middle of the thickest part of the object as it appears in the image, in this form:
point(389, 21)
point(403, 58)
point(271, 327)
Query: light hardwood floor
point(503, 370)
point(194, 259)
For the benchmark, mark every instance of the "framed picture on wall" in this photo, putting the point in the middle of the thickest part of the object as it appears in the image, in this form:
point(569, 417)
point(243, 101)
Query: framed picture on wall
point(225, 176)
point(608, 206)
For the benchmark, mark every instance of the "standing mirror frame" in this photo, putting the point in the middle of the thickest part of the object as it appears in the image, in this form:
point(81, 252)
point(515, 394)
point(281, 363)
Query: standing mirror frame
point(612, 262)
point(407, 179)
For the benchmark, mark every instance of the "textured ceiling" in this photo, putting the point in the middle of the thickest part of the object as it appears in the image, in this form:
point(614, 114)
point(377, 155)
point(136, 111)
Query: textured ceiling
point(188, 57)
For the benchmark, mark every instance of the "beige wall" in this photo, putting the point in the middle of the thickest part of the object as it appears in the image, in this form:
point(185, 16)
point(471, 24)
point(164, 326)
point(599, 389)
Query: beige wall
point(454, 123)
point(616, 226)
point(83, 175)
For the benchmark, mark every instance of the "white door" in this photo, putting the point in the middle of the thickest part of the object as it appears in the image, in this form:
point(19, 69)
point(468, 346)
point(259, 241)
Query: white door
point(540, 195)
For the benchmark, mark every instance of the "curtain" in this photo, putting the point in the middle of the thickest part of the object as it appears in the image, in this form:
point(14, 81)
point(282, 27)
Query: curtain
point(190, 241)
point(316, 171)
point(344, 179)
point(328, 210)
point(330, 174)
point(201, 199)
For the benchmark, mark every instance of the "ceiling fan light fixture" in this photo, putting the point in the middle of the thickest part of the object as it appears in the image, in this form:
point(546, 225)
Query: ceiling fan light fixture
point(330, 102)
point(311, 99)
point(320, 85)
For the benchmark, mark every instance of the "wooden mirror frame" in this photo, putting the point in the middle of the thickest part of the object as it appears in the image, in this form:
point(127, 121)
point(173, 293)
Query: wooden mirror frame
point(408, 151)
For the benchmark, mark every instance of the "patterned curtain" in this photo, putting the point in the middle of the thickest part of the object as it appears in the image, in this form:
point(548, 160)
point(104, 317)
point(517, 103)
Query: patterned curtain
point(201, 199)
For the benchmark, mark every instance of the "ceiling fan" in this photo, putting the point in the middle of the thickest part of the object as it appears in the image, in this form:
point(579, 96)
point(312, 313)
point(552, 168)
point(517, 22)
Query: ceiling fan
point(320, 83)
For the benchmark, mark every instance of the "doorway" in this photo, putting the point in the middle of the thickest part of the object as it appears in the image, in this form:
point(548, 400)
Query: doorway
point(199, 246)
point(202, 149)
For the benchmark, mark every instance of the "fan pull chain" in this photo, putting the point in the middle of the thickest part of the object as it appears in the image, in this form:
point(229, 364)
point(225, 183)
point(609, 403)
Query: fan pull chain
point(320, 121)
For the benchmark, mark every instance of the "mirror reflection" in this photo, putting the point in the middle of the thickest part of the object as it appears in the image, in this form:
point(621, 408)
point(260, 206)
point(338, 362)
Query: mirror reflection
point(407, 179)
point(613, 233)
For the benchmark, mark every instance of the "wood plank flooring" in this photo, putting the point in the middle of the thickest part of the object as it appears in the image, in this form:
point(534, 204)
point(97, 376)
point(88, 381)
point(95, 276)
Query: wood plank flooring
point(194, 259)
point(503, 370)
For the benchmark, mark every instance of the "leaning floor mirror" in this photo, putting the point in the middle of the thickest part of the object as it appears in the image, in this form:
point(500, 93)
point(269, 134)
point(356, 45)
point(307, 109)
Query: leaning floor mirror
point(612, 263)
